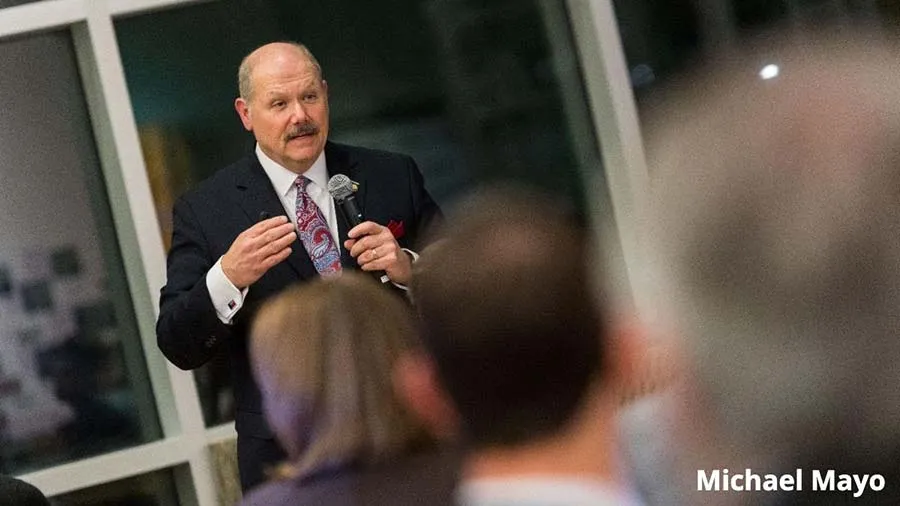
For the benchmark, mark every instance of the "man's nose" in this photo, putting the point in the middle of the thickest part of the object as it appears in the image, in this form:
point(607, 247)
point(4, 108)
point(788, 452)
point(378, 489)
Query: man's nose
point(298, 112)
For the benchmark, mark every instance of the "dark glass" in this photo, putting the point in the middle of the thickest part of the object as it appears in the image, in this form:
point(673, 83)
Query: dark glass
point(468, 88)
point(667, 38)
point(153, 489)
point(73, 379)
point(13, 3)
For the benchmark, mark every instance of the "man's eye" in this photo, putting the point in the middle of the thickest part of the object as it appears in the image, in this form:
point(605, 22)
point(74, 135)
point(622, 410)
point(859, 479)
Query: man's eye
point(278, 104)
point(311, 97)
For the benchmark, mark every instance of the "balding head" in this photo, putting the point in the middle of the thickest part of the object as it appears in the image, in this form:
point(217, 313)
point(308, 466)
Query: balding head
point(272, 52)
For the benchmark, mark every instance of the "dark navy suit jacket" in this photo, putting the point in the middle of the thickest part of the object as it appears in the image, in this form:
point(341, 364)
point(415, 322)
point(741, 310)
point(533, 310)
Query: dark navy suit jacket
point(427, 479)
point(207, 220)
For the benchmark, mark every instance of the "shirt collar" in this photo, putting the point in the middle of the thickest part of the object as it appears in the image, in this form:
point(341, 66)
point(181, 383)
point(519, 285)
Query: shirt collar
point(283, 179)
point(537, 489)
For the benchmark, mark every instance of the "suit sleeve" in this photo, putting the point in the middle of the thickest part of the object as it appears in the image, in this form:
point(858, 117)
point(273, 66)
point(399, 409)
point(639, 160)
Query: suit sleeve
point(188, 330)
point(429, 217)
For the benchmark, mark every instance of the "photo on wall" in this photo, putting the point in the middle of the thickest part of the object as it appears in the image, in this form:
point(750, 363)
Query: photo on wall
point(36, 297)
point(5, 282)
point(64, 261)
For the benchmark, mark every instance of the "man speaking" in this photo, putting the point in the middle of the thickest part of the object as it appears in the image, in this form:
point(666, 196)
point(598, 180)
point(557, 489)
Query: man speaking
point(267, 221)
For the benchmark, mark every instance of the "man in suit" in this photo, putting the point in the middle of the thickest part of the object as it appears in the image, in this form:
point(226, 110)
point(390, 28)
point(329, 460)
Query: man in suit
point(529, 358)
point(267, 221)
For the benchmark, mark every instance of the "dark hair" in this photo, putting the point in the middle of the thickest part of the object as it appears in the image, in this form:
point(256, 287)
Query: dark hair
point(509, 316)
point(20, 493)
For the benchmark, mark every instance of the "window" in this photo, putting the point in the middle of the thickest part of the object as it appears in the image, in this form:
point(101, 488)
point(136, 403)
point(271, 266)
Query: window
point(154, 489)
point(73, 379)
point(665, 38)
point(474, 91)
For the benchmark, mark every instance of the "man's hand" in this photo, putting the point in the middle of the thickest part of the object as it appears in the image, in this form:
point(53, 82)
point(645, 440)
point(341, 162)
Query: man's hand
point(258, 249)
point(375, 249)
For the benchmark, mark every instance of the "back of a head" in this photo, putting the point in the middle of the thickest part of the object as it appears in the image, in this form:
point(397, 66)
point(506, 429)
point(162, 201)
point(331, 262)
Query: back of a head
point(509, 316)
point(778, 216)
point(323, 354)
point(15, 492)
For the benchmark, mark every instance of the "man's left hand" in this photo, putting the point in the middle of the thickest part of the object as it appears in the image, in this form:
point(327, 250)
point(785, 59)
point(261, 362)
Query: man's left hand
point(375, 249)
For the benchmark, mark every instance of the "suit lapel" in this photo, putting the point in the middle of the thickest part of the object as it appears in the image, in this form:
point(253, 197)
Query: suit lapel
point(339, 161)
point(258, 196)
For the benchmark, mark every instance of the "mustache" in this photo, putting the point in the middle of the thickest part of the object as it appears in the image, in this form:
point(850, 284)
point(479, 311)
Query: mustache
point(305, 128)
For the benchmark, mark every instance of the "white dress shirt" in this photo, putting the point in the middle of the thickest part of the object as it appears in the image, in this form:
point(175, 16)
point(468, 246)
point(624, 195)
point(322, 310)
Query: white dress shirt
point(226, 298)
point(536, 490)
point(283, 181)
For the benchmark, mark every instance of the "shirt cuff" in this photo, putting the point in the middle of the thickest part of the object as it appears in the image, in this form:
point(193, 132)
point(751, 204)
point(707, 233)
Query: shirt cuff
point(226, 298)
point(414, 257)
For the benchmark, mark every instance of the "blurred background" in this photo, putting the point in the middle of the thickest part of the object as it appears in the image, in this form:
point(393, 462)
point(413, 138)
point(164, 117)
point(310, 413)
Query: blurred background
point(114, 108)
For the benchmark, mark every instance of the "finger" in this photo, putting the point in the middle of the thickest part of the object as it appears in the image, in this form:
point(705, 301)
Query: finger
point(275, 234)
point(383, 243)
point(363, 257)
point(363, 229)
point(363, 245)
point(382, 256)
point(278, 244)
point(275, 259)
point(267, 224)
point(349, 243)
point(382, 263)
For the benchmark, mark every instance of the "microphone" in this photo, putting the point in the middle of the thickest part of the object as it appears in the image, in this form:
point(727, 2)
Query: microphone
point(343, 191)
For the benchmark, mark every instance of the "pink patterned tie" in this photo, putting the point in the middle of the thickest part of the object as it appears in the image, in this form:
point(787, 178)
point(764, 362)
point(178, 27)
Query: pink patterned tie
point(314, 233)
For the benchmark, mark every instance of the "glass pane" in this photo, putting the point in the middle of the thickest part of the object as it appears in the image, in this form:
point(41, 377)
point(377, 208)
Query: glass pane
point(13, 3)
point(154, 489)
point(474, 91)
point(664, 38)
point(73, 381)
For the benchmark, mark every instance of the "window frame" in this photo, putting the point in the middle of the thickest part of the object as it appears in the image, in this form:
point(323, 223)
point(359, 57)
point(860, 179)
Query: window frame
point(186, 440)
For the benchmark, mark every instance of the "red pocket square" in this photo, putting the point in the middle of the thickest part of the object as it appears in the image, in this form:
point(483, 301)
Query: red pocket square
point(396, 228)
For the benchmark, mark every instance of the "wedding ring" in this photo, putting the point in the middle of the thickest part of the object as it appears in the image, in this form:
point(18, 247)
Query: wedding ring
point(374, 253)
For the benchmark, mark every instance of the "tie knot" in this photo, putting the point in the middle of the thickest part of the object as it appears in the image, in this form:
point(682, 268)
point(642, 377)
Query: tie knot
point(302, 182)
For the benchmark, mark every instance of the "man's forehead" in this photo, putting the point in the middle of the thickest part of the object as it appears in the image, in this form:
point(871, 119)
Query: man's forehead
point(278, 85)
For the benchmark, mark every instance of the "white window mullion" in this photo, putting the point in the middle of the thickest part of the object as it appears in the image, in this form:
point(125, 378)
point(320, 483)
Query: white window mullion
point(117, 7)
point(615, 116)
point(109, 467)
point(133, 210)
point(40, 16)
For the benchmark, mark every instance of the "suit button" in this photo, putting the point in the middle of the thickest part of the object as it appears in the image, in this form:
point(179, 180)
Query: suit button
point(210, 342)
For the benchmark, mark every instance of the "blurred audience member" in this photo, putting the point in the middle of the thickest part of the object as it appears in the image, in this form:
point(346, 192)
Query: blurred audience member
point(15, 492)
point(525, 351)
point(778, 220)
point(323, 354)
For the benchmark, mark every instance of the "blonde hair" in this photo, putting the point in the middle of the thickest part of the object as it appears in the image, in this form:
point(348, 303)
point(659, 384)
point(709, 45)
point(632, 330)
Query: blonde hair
point(323, 354)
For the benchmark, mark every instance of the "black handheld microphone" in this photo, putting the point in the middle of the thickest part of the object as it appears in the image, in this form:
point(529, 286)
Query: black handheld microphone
point(343, 191)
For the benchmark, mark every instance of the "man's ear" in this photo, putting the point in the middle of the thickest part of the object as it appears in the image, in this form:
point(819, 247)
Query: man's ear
point(417, 386)
point(625, 356)
point(641, 364)
point(243, 110)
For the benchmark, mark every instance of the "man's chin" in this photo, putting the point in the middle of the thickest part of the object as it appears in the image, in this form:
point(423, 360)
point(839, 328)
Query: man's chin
point(303, 153)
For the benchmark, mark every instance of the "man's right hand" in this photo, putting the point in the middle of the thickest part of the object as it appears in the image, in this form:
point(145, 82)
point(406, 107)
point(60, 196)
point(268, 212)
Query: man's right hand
point(258, 249)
